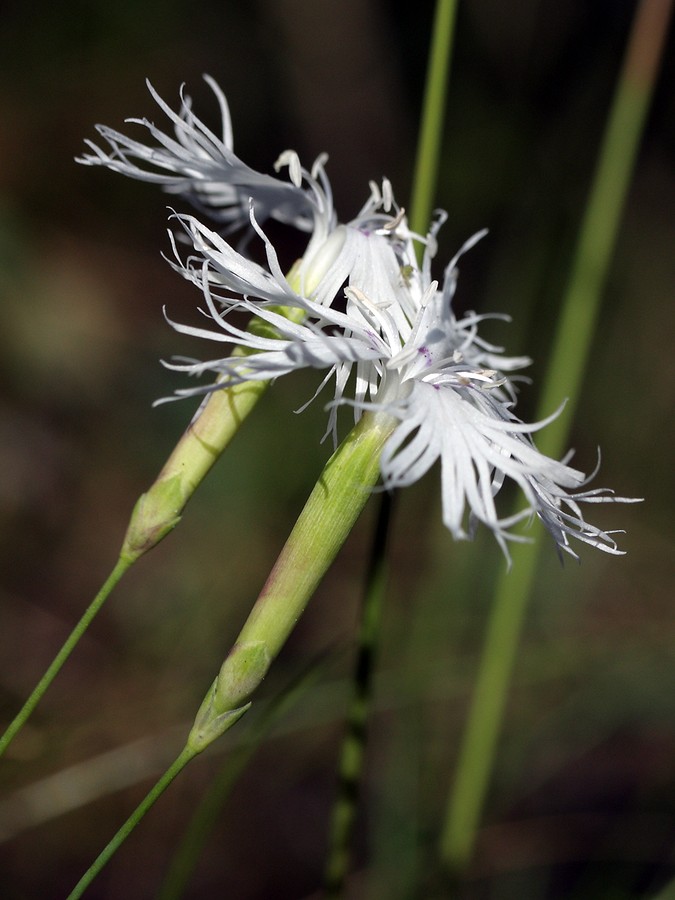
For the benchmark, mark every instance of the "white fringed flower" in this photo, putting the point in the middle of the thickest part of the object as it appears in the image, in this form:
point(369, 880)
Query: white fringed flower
point(359, 307)
point(202, 167)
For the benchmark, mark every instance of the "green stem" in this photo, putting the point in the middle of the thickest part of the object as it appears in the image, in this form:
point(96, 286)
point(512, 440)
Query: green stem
point(479, 741)
point(148, 802)
point(63, 654)
point(601, 221)
point(352, 753)
point(425, 179)
point(433, 114)
point(571, 349)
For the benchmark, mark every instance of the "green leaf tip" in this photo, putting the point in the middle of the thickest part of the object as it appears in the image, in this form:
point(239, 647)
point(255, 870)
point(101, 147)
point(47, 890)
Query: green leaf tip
point(212, 721)
point(244, 668)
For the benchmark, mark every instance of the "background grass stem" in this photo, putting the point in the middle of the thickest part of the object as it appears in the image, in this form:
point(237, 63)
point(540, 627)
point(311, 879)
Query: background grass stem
point(352, 751)
point(425, 176)
point(572, 343)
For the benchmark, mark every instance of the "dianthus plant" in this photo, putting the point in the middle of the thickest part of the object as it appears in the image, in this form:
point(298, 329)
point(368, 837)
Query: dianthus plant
point(362, 307)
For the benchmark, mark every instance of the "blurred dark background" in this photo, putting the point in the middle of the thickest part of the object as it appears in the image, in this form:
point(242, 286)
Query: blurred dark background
point(582, 802)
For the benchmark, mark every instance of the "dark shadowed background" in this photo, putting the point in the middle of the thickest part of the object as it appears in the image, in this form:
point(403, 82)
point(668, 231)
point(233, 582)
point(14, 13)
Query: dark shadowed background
point(582, 803)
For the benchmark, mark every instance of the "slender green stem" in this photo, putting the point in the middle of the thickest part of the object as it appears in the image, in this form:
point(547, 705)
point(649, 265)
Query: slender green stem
point(350, 767)
point(63, 654)
point(353, 747)
point(148, 802)
point(425, 175)
point(570, 355)
point(479, 741)
point(600, 224)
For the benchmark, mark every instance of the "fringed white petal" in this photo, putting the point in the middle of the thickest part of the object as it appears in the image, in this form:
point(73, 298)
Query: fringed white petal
point(478, 444)
point(202, 167)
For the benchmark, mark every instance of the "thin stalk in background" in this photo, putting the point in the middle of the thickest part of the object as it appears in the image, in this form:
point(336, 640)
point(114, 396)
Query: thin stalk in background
point(572, 342)
point(352, 751)
point(425, 176)
point(350, 767)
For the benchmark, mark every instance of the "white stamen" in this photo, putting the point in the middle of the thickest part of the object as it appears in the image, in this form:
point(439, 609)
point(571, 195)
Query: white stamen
point(291, 159)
